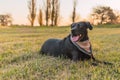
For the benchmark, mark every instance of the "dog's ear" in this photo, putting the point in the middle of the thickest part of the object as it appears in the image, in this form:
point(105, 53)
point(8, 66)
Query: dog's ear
point(89, 25)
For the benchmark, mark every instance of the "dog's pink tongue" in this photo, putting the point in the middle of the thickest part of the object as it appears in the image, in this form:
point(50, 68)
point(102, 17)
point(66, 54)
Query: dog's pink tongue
point(75, 38)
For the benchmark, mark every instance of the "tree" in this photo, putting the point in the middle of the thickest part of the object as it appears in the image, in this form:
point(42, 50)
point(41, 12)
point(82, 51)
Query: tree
point(103, 14)
point(48, 11)
point(40, 17)
point(57, 11)
point(74, 11)
point(5, 20)
point(53, 13)
point(76, 19)
point(32, 11)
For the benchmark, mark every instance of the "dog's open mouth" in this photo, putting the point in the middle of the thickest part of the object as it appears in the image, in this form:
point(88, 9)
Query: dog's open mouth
point(84, 46)
point(76, 38)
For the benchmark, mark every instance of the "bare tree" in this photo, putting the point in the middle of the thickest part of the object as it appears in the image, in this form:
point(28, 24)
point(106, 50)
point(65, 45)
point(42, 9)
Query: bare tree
point(48, 11)
point(77, 17)
point(57, 11)
point(32, 11)
point(40, 17)
point(74, 11)
point(53, 13)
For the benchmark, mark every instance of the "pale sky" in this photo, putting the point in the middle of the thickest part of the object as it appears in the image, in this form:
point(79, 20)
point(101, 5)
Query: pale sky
point(19, 9)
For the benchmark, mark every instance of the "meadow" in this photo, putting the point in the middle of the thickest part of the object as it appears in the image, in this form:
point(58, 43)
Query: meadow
point(20, 58)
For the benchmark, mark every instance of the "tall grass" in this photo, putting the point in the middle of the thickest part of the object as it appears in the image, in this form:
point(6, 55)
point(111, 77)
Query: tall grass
point(19, 58)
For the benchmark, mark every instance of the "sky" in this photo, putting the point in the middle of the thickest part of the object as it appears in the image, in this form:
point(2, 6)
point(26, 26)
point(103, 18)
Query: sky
point(19, 8)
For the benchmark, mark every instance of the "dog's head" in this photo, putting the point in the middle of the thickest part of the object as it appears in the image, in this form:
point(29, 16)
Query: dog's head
point(79, 31)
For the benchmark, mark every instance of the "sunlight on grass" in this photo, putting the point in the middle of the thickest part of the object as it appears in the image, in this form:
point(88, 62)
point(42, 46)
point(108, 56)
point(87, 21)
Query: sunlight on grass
point(19, 58)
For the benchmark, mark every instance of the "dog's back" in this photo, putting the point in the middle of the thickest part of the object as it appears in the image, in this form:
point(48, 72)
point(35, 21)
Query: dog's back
point(51, 47)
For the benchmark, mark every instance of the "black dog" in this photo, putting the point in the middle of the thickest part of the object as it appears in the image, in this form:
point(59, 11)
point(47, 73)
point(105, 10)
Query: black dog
point(75, 46)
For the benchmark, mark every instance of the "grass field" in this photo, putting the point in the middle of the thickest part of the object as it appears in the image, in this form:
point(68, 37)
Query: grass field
point(19, 58)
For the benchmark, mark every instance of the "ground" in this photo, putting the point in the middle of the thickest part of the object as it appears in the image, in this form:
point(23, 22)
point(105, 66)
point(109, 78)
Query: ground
point(19, 58)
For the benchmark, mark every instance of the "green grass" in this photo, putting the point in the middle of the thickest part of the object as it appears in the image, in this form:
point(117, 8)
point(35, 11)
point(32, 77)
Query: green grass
point(108, 26)
point(19, 58)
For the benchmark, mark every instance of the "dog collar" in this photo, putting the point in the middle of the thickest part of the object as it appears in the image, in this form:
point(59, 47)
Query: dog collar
point(82, 49)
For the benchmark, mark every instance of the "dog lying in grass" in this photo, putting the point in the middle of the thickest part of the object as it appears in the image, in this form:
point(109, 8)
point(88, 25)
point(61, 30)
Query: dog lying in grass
point(75, 46)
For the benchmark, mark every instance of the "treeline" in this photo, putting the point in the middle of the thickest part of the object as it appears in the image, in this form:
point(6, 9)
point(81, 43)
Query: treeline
point(49, 14)
point(51, 11)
